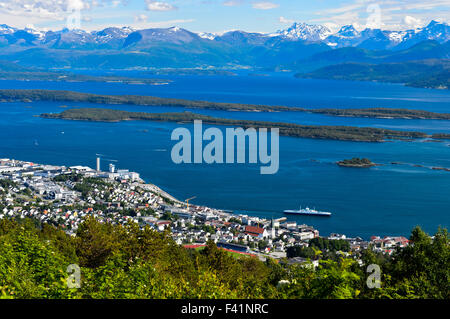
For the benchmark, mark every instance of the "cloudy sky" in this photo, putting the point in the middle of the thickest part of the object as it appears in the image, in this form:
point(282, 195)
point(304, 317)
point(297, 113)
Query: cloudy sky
point(223, 15)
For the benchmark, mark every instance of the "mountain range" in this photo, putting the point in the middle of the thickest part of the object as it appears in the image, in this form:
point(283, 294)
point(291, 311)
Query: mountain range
point(301, 48)
point(126, 37)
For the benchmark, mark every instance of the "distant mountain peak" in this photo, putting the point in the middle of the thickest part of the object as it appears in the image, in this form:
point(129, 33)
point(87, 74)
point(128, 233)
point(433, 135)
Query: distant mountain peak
point(304, 31)
point(128, 38)
point(435, 22)
point(6, 29)
point(207, 35)
point(348, 31)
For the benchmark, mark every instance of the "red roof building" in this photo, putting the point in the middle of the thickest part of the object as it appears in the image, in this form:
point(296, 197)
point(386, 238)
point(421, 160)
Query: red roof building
point(256, 231)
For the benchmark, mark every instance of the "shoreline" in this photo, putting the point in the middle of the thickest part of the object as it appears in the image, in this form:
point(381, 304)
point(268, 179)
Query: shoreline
point(342, 133)
point(32, 95)
point(241, 214)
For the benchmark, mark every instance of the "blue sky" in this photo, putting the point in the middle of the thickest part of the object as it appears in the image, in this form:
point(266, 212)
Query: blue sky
point(224, 15)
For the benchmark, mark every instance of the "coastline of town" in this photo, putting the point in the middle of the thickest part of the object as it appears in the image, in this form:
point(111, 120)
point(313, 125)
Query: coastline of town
point(64, 196)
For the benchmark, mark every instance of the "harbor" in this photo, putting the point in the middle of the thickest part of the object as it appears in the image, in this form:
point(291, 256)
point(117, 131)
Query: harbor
point(65, 196)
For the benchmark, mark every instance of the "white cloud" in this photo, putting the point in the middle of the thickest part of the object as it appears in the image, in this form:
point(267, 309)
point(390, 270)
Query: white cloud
point(332, 26)
point(265, 5)
point(166, 24)
point(285, 21)
point(140, 18)
point(50, 9)
point(413, 22)
point(76, 5)
point(233, 3)
point(394, 14)
point(159, 6)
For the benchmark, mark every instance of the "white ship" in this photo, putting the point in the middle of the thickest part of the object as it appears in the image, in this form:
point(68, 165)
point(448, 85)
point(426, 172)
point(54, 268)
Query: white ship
point(307, 211)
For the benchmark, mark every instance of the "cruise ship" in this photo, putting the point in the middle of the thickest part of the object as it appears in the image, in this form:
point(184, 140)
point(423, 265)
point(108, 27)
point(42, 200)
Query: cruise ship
point(307, 211)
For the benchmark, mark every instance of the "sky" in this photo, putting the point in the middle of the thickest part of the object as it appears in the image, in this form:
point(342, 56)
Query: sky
point(218, 16)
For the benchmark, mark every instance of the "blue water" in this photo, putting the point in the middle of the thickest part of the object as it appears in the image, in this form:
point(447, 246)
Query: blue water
point(386, 200)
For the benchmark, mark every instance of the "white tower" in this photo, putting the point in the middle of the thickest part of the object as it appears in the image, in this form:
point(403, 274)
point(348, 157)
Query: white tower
point(112, 168)
point(273, 234)
point(98, 164)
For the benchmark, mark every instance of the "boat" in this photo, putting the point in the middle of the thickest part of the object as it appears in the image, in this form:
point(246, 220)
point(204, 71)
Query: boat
point(306, 211)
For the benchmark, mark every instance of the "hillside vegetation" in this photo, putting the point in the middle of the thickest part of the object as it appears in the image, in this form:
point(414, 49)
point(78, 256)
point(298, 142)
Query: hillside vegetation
point(70, 96)
point(426, 74)
point(344, 133)
point(130, 262)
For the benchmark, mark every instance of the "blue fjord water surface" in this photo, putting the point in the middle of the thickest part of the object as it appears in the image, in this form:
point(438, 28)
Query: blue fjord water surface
point(385, 200)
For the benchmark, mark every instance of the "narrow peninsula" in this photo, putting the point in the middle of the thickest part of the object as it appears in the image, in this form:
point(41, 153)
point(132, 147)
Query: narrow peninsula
point(70, 96)
point(342, 133)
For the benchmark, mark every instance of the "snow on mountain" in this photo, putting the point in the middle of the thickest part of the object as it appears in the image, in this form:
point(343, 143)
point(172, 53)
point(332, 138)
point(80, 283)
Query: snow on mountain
point(149, 37)
point(384, 39)
point(435, 30)
point(40, 34)
point(345, 37)
point(111, 34)
point(6, 29)
point(397, 36)
point(347, 31)
point(207, 35)
point(117, 38)
point(307, 32)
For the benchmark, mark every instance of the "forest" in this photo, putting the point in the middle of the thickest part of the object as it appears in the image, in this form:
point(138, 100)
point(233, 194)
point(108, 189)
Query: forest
point(343, 133)
point(70, 96)
point(129, 261)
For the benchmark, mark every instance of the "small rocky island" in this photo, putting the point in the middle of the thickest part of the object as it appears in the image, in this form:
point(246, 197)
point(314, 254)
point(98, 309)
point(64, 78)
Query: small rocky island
point(357, 162)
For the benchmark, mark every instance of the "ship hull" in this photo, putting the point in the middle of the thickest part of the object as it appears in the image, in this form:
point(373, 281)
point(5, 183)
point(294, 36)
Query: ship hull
point(293, 212)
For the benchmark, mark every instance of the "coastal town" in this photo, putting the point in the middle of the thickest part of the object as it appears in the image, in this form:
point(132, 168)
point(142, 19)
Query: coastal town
point(65, 196)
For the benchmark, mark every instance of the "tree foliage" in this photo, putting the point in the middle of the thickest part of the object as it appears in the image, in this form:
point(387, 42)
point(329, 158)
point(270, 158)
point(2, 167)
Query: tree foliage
point(133, 262)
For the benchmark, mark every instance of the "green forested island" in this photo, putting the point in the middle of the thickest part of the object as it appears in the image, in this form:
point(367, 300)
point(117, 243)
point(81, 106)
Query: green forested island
point(13, 71)
point(381, 112)
point(69, 77)
point(423, 74)
point(70, 96)
point(444, 136)
point(357, 162)
point(344, 133)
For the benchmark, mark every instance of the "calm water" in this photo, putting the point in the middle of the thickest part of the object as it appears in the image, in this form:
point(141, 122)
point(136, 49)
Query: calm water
point(386, 200)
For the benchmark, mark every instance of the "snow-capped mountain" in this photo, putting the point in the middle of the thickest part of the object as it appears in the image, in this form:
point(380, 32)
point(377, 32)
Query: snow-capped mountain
point(243, 38)
point(438, 31)
point(307, 32)
point(207, 35)
point(69, 39)
point(111, 34)
point(376, 39)
point(150, 37)
point(114, 38)
point(348, 32)
point(346, 36)
point(6, 29)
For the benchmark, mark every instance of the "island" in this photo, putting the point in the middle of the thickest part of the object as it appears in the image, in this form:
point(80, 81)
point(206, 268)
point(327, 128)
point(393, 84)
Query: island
point(432, 73)
point(15, 72)
point(442, 136)
point(70, 96)
point(342, 133)
point(384, 113)
point(357, 162)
